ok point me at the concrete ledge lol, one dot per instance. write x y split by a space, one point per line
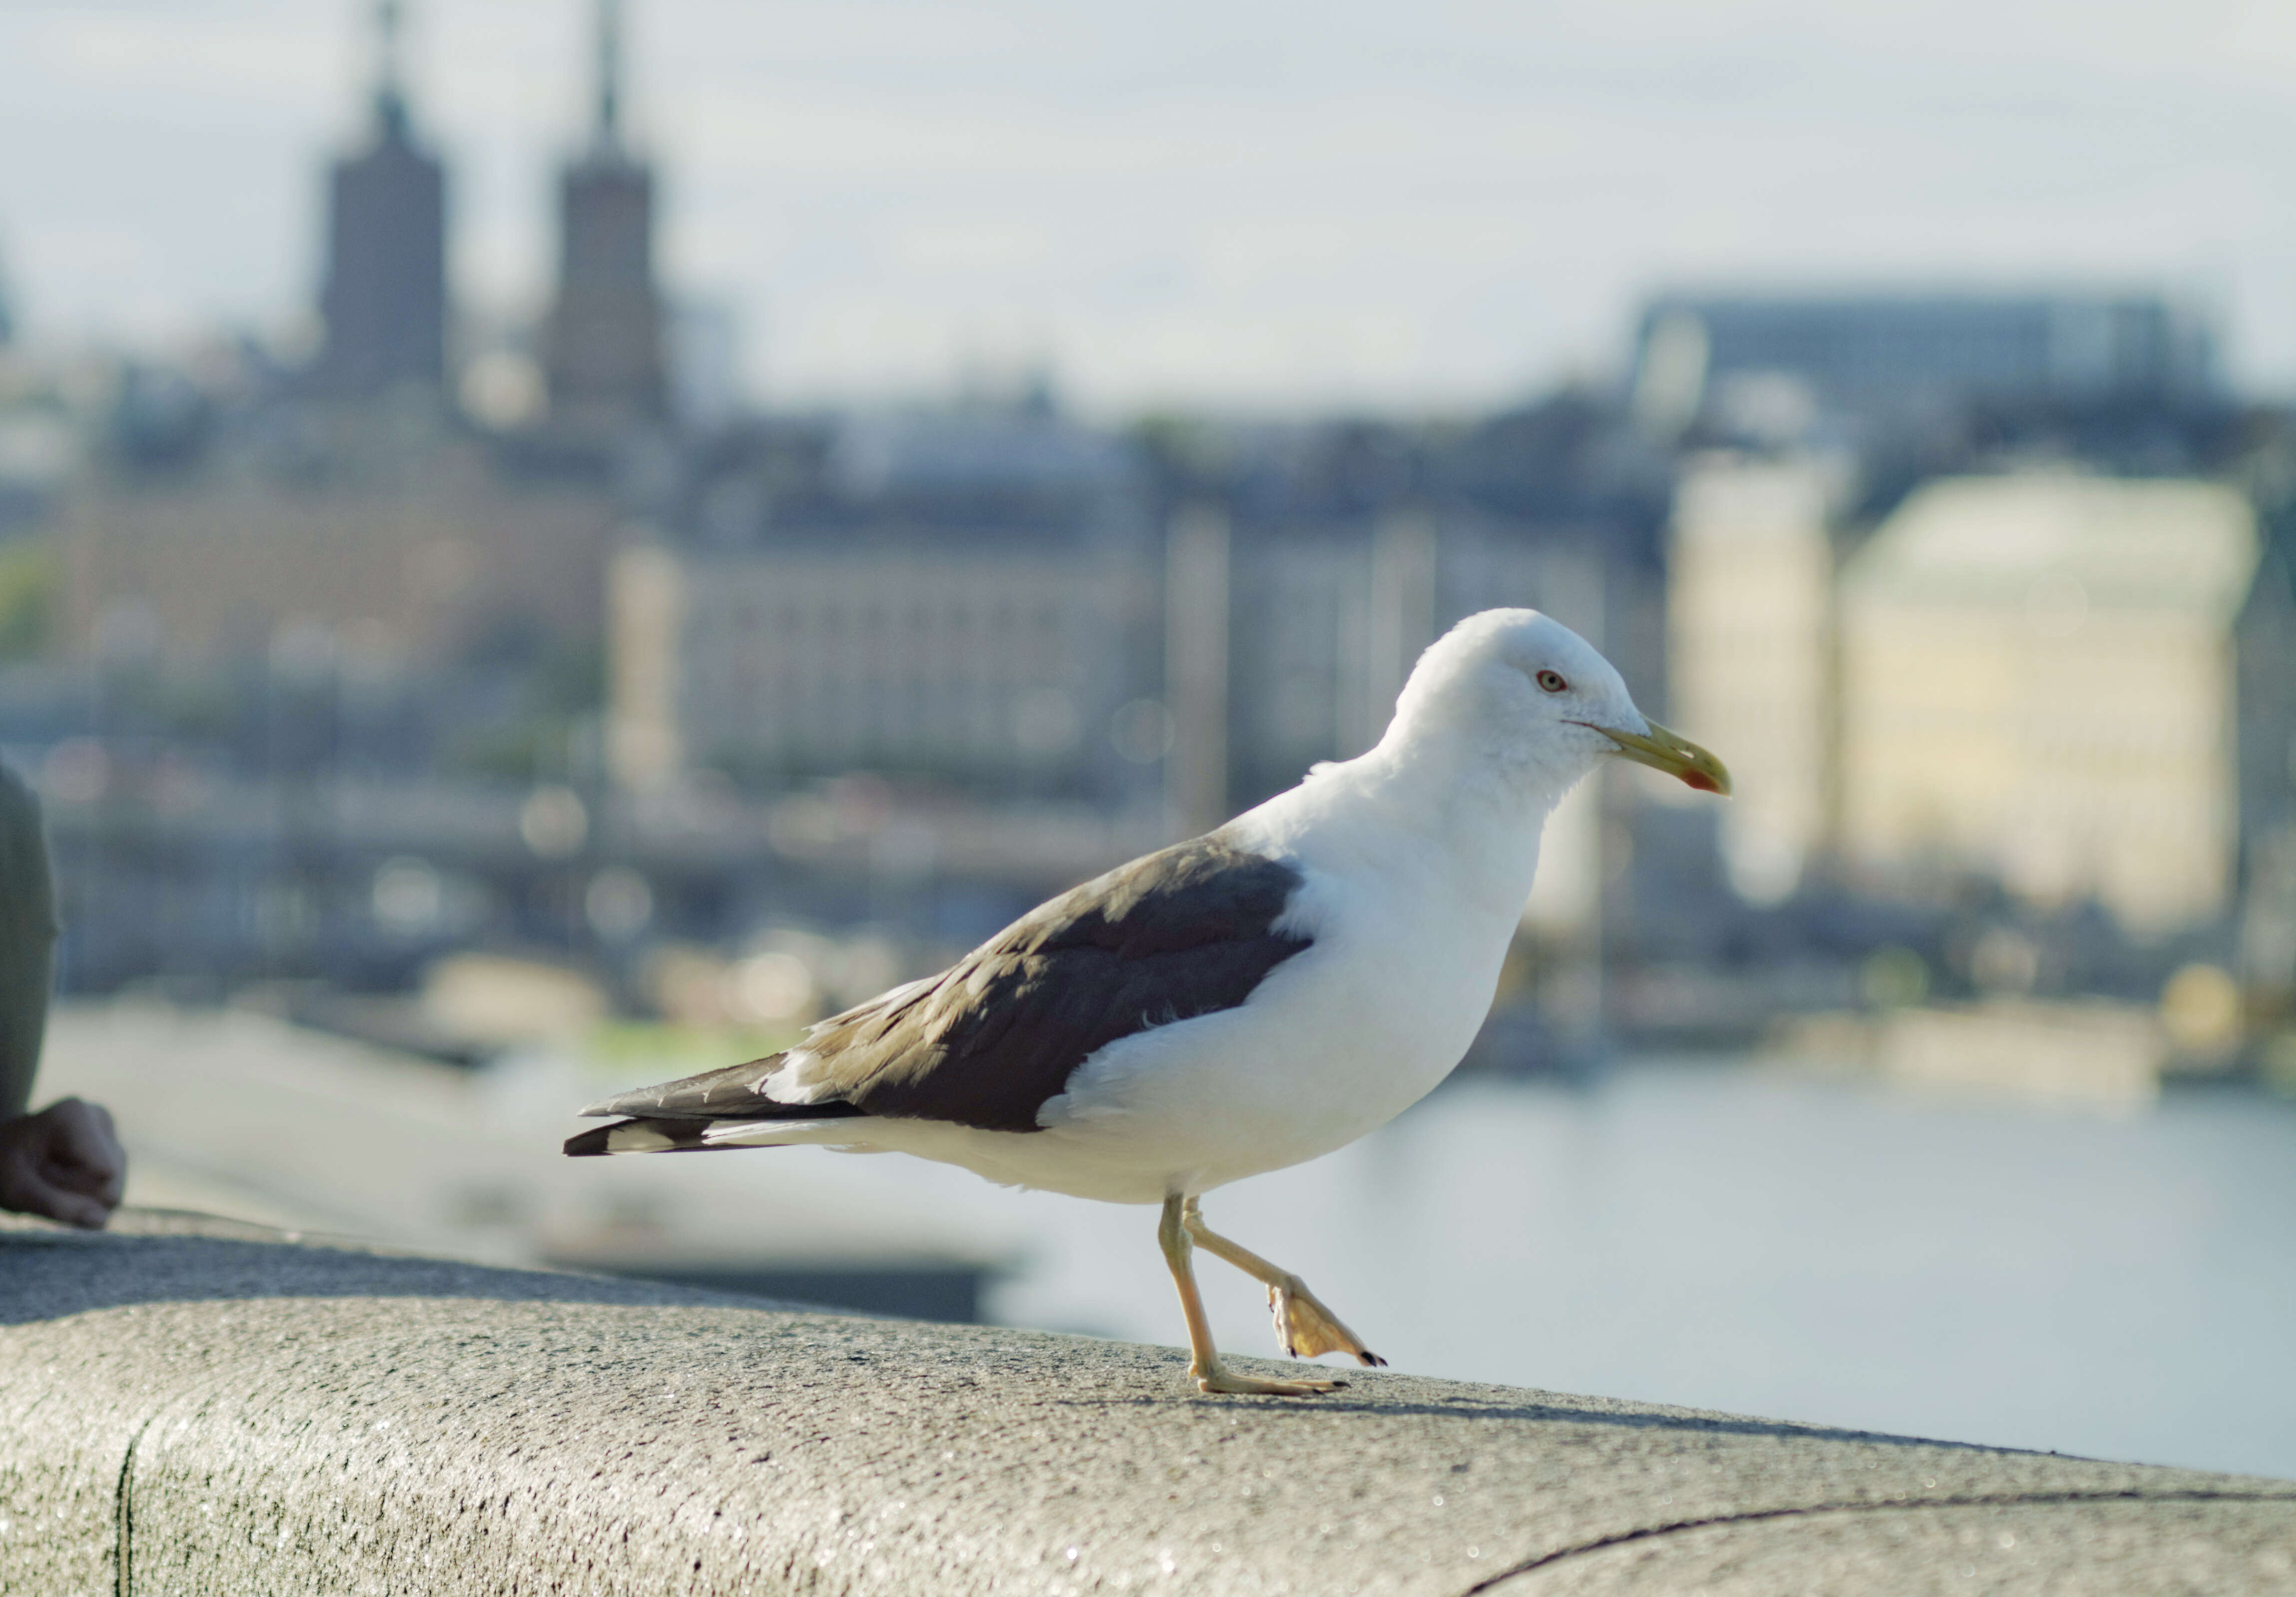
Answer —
199 1407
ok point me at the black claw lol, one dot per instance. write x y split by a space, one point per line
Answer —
1373 1359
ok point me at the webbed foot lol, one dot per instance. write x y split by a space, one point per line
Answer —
1305 1327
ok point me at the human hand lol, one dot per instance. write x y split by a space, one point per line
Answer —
65 1163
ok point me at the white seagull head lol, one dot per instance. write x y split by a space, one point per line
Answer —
1522 696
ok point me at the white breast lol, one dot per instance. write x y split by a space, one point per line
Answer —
1336 1041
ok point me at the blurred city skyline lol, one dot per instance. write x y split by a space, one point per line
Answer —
1239 207
456 691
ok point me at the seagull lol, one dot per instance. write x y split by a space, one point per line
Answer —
1230 1005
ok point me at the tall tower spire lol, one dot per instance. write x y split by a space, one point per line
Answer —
610 75
389 72
602 349
383 294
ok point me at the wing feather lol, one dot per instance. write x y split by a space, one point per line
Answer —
1179 933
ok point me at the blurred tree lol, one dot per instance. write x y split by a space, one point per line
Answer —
31 583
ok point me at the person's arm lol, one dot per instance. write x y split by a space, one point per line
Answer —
64 1162
27 942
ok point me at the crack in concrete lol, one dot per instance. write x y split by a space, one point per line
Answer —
2030 1499
123 1509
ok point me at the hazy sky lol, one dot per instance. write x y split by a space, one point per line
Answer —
1239 203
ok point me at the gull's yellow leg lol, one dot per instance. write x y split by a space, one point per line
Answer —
1204 1361
1303 1325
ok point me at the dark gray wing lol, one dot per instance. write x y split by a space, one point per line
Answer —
1179 933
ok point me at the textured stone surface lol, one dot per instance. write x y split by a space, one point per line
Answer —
228 1414
2158 1544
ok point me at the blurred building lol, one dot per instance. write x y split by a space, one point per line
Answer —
604 353
983 663
2266 950
419 546
383 301
1750 651
1770 364
956 599
39 445
2047 679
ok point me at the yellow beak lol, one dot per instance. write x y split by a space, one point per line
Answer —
1672 753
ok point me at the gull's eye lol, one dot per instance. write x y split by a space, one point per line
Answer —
1552 682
